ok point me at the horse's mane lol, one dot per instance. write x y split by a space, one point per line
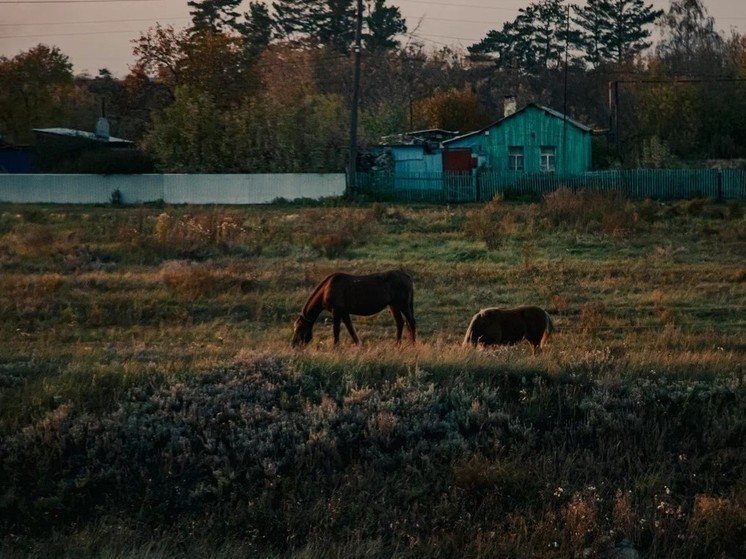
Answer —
315 292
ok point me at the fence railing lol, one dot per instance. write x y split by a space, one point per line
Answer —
452 187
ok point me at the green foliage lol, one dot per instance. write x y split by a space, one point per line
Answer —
256 30
615 30
36 90
187 136
303 133
213 16
533 41
384 24
332 23
229 444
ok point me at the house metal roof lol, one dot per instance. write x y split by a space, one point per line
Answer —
552 112
72 133
419 136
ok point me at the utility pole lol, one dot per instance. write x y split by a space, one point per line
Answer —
564 95
352 166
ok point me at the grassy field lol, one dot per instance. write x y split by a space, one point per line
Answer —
151 404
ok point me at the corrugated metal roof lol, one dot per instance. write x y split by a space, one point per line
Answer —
72 133
522 109
418 136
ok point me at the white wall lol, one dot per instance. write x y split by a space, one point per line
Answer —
172 189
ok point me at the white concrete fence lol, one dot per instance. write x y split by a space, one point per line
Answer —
171 189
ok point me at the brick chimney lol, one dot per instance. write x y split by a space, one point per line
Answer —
509 105
102 124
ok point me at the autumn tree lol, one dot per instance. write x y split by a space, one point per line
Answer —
187 136
212 62
453 109
289 126
37 90
689 44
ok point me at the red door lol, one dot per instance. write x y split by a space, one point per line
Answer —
457 159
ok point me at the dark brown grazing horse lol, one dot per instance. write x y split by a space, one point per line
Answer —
345 294
495 326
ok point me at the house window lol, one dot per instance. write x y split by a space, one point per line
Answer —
515 158
548 158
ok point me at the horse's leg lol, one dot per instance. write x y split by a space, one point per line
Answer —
399 322
411 323
350 328
336 318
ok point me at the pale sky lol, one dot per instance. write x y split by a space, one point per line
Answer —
97 34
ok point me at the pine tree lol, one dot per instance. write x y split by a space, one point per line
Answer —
383 23
296 19
615 29
535 40
256 29
335 24
214 16
332 23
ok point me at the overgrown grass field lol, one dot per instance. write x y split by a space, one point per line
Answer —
151 404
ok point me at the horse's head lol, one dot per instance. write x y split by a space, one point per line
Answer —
302 331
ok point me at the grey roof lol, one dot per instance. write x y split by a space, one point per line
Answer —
418 137
72 133
552 112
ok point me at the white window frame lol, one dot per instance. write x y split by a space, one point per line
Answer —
548 159
515 158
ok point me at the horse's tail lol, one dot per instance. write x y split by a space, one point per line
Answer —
548 329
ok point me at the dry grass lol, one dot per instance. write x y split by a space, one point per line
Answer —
101 309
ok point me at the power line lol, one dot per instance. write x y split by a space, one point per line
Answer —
69 1
451 5
88 22
66 34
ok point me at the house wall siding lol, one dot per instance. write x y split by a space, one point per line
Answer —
413 159
532 128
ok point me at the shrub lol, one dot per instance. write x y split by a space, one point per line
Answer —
116 199
587 210
718 523
191 280
490 223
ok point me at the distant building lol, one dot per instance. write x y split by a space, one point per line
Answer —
15 159
66 150
534 139
416 152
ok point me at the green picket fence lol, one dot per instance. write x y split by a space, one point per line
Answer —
454 187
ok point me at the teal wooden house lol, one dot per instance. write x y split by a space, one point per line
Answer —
534 139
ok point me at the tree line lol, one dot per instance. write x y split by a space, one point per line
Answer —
269 89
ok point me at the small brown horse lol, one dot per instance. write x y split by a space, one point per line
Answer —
495 326
345 294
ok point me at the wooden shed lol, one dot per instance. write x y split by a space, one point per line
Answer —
533 139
